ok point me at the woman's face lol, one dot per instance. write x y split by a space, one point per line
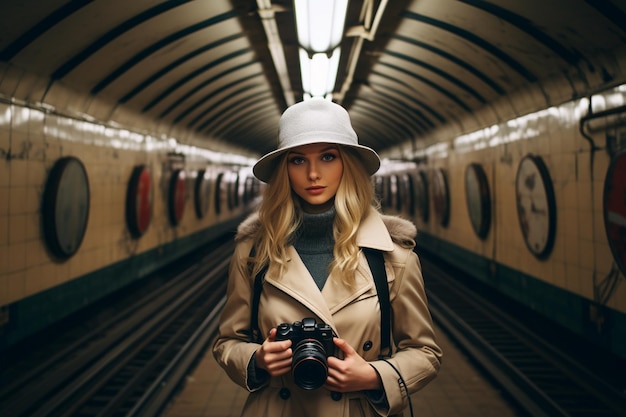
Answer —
314 174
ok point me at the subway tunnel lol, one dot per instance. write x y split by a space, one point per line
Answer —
128 130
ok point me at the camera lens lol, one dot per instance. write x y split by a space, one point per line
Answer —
309 364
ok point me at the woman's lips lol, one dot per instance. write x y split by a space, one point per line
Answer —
315 190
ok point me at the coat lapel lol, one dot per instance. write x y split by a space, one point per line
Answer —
338 294
298 283
374 234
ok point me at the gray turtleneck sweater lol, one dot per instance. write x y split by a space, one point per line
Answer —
314 242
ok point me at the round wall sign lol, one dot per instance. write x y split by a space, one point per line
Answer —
379 187
421 196
233 190
220 193
408 193
249 190
615 209
478 199
395 193
65 207
441 197
139 201
386 195
176 197
202 193
536 206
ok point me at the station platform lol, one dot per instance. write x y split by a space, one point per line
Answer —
460 390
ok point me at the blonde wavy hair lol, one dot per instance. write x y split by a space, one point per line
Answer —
280 215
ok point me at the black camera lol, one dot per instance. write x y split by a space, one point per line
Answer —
311 343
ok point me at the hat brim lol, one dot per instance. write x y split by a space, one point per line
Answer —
265 166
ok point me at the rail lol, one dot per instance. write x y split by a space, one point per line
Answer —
133 360
542 379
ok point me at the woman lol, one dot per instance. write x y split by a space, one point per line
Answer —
317 213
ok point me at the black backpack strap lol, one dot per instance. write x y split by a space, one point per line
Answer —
256 296
376 263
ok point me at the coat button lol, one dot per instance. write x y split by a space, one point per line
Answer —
284 393
335 396
367 345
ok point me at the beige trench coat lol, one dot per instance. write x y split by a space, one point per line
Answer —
354 315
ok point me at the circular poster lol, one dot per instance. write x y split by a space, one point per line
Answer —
65 207
139 201
615 209
176 196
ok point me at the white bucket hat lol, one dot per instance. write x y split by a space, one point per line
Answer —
314 121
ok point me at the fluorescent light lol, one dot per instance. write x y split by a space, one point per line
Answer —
320 25
319 72
333 67
305 70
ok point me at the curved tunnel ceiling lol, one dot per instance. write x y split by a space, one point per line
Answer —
204 66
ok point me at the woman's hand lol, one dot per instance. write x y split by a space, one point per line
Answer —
352 373
273 356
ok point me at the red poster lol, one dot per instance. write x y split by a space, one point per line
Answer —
615 209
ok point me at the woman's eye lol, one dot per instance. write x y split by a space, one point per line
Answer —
296 160
328 157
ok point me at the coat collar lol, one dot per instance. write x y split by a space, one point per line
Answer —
373 233
298 283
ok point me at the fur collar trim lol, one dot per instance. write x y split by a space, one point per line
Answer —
402 231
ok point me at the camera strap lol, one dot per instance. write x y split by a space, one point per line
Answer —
256 296
376 263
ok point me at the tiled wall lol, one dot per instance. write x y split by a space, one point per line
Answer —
32 140
581 257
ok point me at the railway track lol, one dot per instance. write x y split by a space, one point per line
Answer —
133 360
540 378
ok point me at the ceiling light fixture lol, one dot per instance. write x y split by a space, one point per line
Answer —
370 19
267 13
320 25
